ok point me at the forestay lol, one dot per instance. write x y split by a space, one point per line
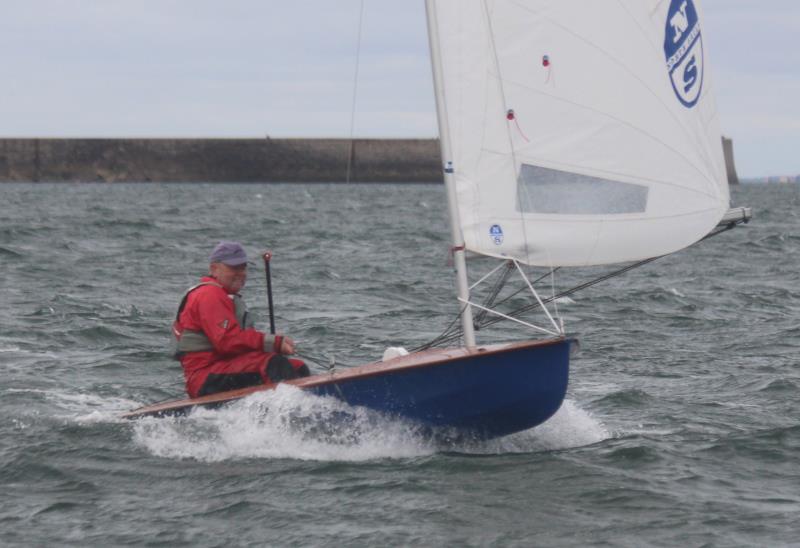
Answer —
581 132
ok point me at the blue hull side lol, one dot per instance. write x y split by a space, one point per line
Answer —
488 391
489 395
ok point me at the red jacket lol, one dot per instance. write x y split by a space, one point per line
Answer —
210 309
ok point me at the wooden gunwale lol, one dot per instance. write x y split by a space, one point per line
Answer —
427 358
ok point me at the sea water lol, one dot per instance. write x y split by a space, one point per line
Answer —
681 426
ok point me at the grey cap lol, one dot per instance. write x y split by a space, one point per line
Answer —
229 253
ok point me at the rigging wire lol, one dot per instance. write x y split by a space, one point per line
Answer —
355 93
495 291
450 334
524 287
555 301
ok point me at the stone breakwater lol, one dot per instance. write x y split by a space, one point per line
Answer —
231 160
220 160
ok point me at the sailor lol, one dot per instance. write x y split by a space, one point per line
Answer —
215 340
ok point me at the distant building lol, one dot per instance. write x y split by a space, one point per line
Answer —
783 179
730 164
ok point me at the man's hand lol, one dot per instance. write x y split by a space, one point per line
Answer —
287 345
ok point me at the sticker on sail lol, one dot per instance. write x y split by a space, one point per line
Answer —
683 47
496 234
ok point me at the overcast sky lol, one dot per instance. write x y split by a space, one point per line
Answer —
248 68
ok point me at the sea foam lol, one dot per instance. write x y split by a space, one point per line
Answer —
290 423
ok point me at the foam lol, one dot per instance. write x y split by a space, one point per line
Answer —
84 408
288 423
677 293
293 424
570 427
282 423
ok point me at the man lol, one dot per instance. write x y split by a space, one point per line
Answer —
216 343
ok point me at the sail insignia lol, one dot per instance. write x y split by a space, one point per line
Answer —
683 46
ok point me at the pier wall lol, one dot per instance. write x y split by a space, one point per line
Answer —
220 160
231 160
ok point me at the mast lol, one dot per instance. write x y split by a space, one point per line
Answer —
459 252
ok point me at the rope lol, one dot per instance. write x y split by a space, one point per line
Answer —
321 361
355 92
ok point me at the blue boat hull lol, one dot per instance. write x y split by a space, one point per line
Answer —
485 392
488 394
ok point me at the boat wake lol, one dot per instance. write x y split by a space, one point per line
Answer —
294 424
80 408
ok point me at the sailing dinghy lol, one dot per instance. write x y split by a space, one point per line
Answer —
572 133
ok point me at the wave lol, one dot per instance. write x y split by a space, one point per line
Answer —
780 385
84 408
98 334
632 397
118 224
6 252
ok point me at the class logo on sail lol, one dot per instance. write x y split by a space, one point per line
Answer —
496 234
683 47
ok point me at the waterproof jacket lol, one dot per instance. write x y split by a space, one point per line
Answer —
207 327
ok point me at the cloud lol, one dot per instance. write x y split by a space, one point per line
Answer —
206 68
247 67
756 65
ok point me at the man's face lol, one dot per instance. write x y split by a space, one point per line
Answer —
232 278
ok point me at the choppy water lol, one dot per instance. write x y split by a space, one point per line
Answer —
681 426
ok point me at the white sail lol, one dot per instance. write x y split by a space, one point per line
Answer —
581 132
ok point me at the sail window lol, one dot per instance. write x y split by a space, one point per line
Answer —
545 190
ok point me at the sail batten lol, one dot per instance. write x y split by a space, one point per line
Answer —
564 115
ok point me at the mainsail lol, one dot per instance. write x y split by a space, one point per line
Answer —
580 133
